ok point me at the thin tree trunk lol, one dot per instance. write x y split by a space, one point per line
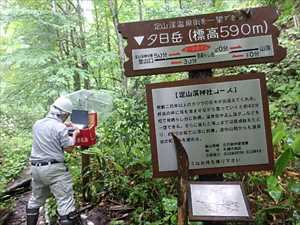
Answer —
107 34
63 51
140 10
60 44
83 62
97 22
113 5
180 4
77 83
76 77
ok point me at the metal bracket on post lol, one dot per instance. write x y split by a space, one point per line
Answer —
183 175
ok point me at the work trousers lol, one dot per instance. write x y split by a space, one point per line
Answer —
54 178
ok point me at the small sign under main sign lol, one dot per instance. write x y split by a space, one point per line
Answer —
223 124
218 201
201 42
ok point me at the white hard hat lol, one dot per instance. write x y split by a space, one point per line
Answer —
63 104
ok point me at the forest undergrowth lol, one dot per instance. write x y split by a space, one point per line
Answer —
121 166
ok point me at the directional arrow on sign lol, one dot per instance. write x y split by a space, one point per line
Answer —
139 39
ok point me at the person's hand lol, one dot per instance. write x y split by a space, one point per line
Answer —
69 124
76 132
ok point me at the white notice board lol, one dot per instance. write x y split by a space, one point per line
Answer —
223 123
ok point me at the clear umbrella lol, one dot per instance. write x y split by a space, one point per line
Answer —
100 101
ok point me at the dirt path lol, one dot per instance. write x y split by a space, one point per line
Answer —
96 216
18 216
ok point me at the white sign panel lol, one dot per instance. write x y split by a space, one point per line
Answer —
220 124
210 52
218 200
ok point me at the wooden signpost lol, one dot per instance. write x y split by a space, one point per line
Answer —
212 125
183 176
190 43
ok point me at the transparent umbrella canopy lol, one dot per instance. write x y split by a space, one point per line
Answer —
100 101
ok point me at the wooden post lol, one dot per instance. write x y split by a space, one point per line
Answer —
202 74
85 174
183 170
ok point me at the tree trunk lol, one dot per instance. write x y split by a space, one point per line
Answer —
77 81
108 40
107 34
97 21
180 4
53 8
113 5
83 62
97 75
140 10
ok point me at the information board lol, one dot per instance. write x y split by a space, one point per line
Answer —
218 201
222 122
201 42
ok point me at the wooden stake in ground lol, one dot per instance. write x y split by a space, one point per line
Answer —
86 177
183 170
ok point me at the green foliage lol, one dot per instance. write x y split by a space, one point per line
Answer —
296 144
125 161
121 166
294 187
39 61
128 124
278 134
274 188
284 96
283 161
14 152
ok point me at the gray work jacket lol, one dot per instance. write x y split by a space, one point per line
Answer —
50 137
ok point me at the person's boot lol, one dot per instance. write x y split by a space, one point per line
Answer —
72 218
32 216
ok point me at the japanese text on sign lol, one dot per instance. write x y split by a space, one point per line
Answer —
220 124
228 50
208 41
207 34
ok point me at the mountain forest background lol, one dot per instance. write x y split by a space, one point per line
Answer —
50 48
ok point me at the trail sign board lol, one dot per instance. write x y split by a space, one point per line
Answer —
222 122
203 41
226 202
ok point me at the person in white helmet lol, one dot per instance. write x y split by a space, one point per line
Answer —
49 173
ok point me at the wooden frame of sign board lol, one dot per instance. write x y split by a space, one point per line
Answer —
256 18
218 218
268 134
